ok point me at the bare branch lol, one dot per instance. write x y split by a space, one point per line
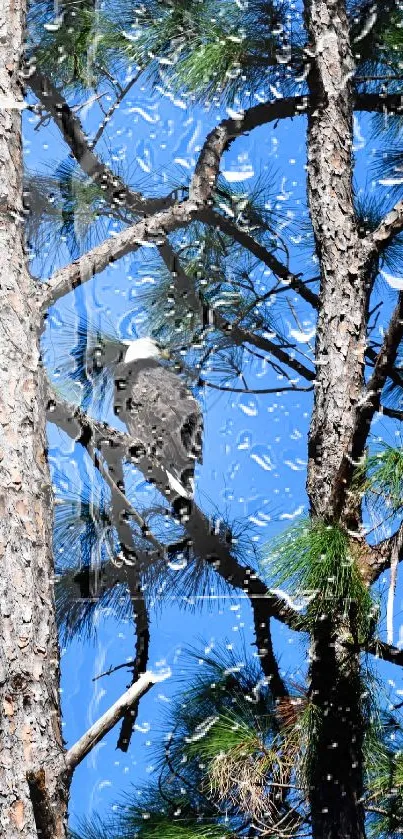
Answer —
109 114
393 413
394 374
388 103
380 557
142 626
221 137
126 665
150 230
265 650
104 724
264 390
140 612
386 652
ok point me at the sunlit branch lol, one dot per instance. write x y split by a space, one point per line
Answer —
390 226
151 230
221 137
104 724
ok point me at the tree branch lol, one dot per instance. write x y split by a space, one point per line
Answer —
139 667
140 612
221 137
153 229
385 651
71 129
228 227
387 354
390 226
212 547
390 103
265 651
104 724
380 556
112 109
384 363
393 413
262 391
208 315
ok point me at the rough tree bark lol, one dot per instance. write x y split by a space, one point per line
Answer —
32 791
342 413
336 782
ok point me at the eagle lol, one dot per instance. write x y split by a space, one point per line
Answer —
159 411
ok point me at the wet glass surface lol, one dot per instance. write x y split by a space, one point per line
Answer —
192 354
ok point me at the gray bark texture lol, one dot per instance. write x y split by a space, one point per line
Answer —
32 791
341 330
336 784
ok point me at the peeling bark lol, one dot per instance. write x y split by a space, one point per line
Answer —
33 796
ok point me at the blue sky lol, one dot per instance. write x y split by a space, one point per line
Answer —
254 456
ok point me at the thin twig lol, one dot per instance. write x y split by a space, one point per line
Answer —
226 389
112 109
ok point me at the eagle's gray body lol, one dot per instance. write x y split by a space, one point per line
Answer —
162 415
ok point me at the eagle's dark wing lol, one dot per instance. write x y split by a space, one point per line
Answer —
161 413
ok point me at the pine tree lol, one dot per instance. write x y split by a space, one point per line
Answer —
328 64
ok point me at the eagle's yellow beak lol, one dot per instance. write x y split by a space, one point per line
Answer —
165 354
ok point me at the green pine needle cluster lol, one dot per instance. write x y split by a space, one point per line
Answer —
319 560
77 47
212 48
380 477
158 827
385 791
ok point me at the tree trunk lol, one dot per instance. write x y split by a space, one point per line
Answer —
336 779
32 799
345 287
336 776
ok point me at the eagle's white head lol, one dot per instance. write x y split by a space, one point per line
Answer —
142 348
